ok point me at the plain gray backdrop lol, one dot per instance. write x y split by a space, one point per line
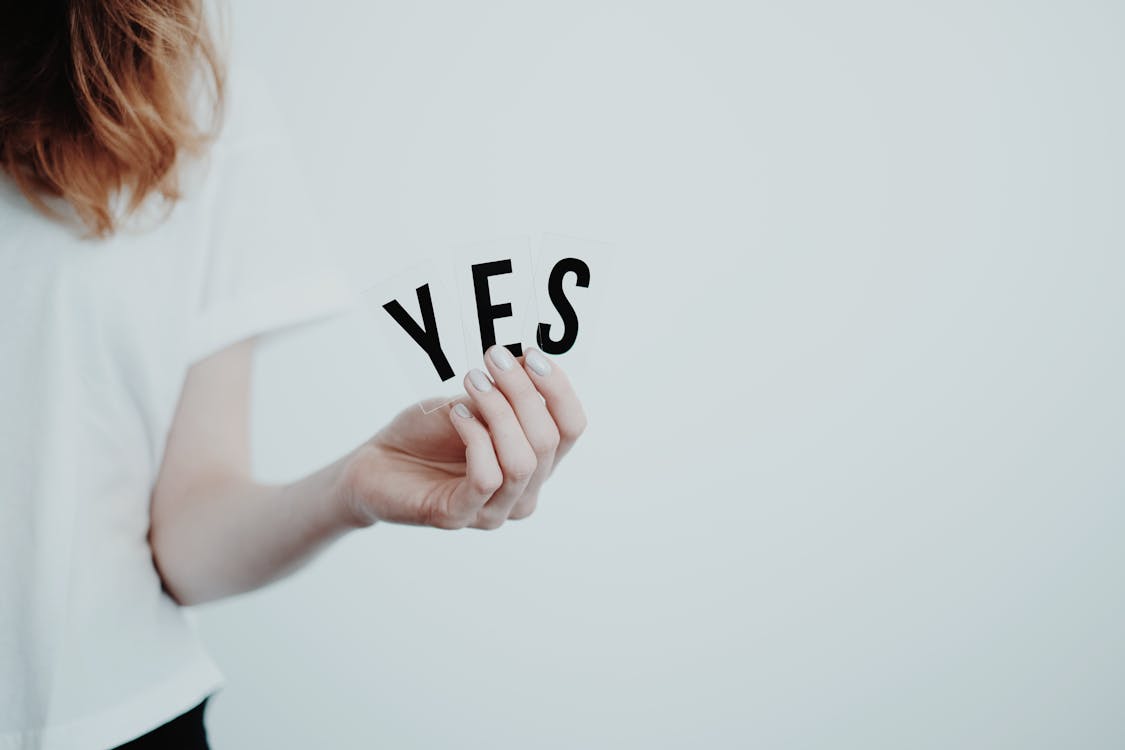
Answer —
854 476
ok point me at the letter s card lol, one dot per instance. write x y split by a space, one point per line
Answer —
569 288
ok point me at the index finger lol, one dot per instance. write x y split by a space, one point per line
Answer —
482 470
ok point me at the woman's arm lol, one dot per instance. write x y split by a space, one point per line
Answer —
216 532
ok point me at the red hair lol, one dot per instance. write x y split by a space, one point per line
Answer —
98 97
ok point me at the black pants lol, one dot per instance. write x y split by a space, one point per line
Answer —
185 732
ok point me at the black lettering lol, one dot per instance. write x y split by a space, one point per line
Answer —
562 304
426 335
488 313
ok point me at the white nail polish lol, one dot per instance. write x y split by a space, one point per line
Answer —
501 357
537 362
480 381
463 411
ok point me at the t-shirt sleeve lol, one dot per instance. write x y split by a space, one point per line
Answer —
265 265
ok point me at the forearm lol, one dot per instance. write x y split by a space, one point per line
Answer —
230 535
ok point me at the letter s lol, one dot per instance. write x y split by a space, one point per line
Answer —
562 304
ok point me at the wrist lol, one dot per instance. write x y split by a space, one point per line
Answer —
355 486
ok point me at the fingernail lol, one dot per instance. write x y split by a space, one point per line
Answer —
537 362
479 380
501 357
463 411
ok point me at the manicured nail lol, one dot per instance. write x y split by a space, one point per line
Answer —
463 411
501 357
537 362
480 381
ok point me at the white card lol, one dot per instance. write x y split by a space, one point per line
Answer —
417 314
494 286
569 289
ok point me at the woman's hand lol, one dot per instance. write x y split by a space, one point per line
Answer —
217 532
477 463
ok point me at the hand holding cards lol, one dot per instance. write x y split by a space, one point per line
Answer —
437 319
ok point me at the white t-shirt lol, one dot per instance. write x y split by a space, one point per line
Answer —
95 341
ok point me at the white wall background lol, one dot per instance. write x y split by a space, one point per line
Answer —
855 474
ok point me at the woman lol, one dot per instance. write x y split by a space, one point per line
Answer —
147 235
